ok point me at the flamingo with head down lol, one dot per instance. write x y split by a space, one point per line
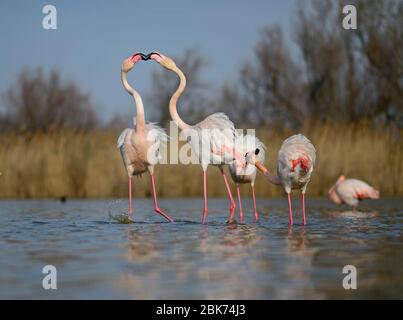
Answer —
295 163
140 147
246 174
212 139
351 191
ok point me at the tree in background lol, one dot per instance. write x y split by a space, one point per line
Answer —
353 74
335 75
43 102
270 88
380 39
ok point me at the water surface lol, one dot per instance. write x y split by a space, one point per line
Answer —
98 257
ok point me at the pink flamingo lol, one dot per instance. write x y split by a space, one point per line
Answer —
295 163
140 147
351 191
246 174
212 139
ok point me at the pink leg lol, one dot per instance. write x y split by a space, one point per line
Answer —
240 203
254 205
231 199
303 210
130 197
205 196
289 208
156 208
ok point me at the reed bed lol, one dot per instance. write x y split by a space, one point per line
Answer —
88 165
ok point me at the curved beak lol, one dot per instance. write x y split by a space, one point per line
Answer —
155 56
261 167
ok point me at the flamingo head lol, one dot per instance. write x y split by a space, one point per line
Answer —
165 61
251 157
334 197
341 179
129 63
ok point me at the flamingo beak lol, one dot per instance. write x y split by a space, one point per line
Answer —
261 167
137 57
251 158
155 56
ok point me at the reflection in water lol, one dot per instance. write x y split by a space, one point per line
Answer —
98 257
354 214
300 266
140 246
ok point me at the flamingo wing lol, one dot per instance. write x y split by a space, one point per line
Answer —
217 133
361 190
122 137
294 150
157 137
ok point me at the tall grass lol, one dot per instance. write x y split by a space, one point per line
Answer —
79 164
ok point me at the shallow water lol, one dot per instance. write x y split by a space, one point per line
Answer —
98 257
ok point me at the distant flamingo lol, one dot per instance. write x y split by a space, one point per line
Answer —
246 174
295 163
351 191
140 147
213 138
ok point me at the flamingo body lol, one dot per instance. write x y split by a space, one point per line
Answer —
139 154
295 162
140 146
212 140
215 138
351 191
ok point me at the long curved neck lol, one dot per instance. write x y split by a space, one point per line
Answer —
174 99
271 177
140 120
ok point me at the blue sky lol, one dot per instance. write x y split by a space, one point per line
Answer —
93 37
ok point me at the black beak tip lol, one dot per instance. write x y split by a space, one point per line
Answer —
144 57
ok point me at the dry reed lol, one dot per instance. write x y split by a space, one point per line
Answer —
87 164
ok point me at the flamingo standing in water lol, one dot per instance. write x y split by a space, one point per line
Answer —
246 174
140 147
212 139
295 163
351 191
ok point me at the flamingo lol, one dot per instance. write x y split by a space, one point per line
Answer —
351 191
295 163
246 174
212 139
140 147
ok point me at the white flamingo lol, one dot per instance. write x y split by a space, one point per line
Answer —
140 147
246 174
351 191
212 139
295 163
